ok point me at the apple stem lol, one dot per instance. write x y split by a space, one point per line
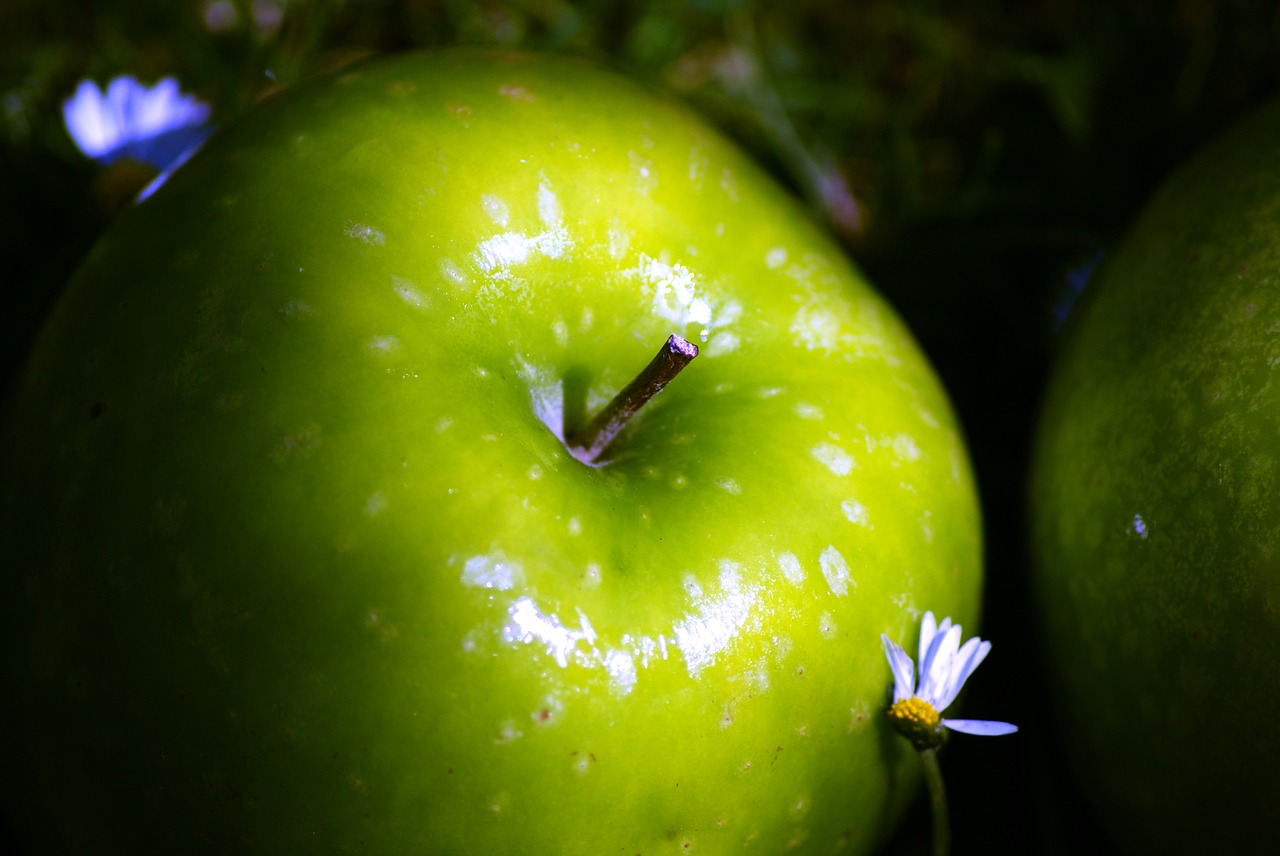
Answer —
588 443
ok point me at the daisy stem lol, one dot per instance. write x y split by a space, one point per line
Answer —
937 801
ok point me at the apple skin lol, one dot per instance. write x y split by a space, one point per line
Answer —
295 559
1154 512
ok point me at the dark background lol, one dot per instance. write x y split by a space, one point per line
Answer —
975 158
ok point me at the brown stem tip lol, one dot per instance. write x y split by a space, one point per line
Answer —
590 442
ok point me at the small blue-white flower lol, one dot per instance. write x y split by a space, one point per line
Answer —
945 665
159 125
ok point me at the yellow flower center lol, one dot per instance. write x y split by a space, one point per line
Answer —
914 714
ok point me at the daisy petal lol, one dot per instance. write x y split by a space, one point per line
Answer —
131 120
980 727
969 657
903 669
928 630
935 676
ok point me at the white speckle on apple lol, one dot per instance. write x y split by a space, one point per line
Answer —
729 184
296 309
903 446
528 625
581 763
698 162
442 424
302 442
926 529
492 571
674 289
409 292
366 234
770 391
906 605
517 92
588 318
575 526
383 344
826 626
591 576
775 258
692 587
836 570
729 486
560 331
645 176
621 669
856 512
619 239
808 411
496 209
679 481
450 270
507 732
799 808
719 230
721 343
548 205
500 251
792 570
376 503
535 472
833 457
708 631
816 328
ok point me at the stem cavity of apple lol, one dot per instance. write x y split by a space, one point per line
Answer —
590 441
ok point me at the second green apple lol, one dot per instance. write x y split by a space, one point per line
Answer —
295 554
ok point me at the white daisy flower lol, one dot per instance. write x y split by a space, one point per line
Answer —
157 125
945 665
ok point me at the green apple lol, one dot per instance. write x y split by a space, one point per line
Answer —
298 560
1157 517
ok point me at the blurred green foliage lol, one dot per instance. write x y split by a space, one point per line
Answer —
970 154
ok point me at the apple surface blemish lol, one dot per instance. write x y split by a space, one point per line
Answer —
496 209
452 272
296 309
792 570
375 504
833 457
856 512
491 571
409 293
729 486
383 344
836 571
808 411
364 234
